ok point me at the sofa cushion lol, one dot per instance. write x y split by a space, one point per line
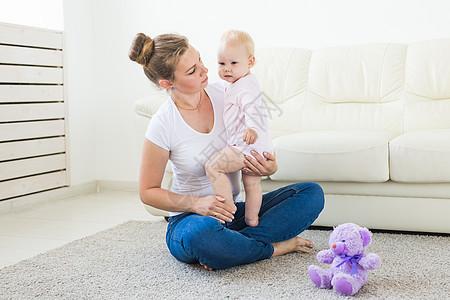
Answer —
421 156
360 156
427 88
356 88
282 74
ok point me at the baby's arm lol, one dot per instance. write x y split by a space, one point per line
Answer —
254 115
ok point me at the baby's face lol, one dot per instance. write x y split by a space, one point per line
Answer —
234 62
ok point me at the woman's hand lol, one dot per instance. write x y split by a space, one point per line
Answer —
215 207
258 166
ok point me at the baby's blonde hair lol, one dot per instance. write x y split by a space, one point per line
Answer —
241 37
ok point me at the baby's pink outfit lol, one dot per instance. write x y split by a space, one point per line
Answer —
245 109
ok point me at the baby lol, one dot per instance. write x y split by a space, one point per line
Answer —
246 123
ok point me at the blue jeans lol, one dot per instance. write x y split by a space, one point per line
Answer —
284 213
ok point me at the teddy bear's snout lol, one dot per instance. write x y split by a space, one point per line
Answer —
339 248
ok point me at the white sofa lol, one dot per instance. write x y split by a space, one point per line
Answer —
369 123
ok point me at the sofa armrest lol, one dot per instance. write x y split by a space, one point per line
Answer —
145 108
149 105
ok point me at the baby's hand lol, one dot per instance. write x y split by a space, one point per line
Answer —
250 136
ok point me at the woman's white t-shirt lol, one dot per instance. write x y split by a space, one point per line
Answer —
190 149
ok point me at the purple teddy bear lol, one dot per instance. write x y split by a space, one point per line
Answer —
349 264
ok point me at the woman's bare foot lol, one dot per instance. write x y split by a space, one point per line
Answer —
294 244
206 267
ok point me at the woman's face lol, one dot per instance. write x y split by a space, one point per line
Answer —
190 75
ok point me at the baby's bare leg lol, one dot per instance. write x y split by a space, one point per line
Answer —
253 198
225 161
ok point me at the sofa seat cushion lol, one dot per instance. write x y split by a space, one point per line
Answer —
421 156
359 156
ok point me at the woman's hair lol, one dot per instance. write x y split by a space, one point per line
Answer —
159 57
241 37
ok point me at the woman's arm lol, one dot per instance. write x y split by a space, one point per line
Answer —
154 160
153 165
258 166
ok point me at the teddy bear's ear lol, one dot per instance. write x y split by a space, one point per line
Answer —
366 236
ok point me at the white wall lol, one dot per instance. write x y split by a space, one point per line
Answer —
309 24
37 13
80 65
103 83
79 73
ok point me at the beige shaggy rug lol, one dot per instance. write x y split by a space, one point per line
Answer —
131 261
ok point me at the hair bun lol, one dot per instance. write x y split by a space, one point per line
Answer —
141 49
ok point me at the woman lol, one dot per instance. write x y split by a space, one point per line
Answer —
186 130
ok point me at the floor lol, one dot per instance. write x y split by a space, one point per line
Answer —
39 230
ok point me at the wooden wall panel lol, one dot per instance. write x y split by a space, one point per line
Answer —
31 93
30 36
25 74
30 56
31 130
28 112
32 148
31 166
33 111
28 185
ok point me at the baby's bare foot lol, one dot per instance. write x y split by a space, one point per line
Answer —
296 244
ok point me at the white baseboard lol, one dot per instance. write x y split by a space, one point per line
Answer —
26 203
